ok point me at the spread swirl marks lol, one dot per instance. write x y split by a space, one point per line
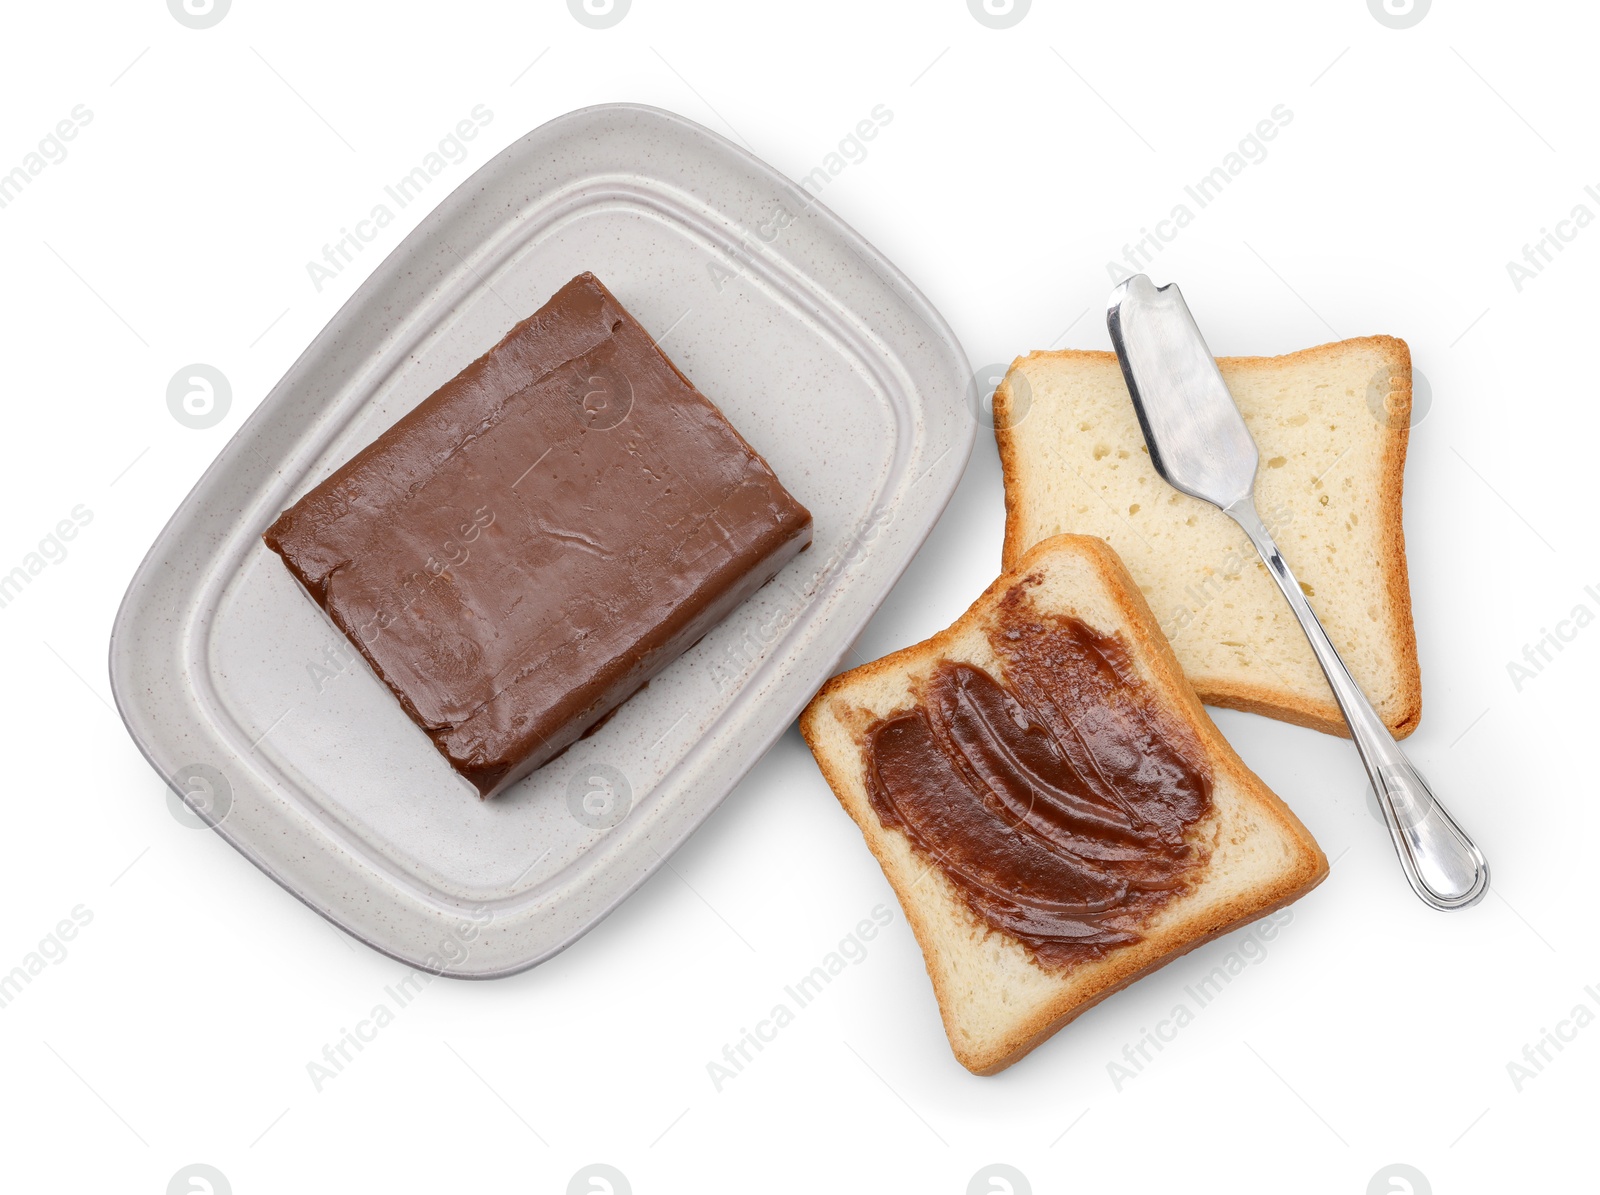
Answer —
1058 800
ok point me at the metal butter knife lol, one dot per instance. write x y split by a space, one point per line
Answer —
1198 442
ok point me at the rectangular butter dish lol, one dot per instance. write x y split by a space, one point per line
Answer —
248 701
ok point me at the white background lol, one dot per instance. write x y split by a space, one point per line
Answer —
218 162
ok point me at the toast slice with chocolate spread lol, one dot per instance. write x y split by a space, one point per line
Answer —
1052 805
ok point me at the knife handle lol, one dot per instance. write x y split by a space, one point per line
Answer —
1444 867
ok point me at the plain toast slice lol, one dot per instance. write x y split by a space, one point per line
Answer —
999 998
1332 425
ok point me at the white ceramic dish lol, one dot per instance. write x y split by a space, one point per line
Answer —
245 698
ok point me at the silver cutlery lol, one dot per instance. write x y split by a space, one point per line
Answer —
1199 443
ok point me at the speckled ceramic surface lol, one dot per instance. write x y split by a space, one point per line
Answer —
826 359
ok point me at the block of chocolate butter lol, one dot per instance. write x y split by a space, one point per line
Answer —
537 539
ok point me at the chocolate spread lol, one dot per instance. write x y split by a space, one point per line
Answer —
1056 798
542 535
